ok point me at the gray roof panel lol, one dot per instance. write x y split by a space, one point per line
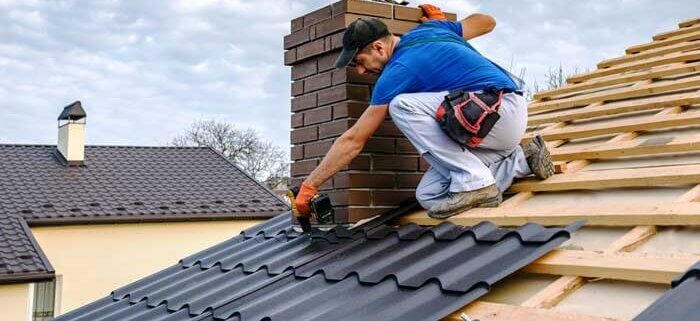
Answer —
680 303
375 272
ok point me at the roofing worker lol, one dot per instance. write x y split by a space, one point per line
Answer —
463 113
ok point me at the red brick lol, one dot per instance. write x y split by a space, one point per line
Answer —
414 14
356 214
296 152
392 197
306 134
310 49
303 167
318 82
348 109
350 75
297 120
318 115
327 61
290 56
317 149
304 69
335 128
329 26
388 128
317 16
296 38
361 163
300 103
350 197
364 8
404 146
336 41
312 32
297 24
423 165
395 163
379 145
408 180
363 180
343 92
298 88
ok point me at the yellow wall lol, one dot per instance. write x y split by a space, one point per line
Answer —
14 300
93 260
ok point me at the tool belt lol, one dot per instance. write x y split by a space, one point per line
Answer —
467 117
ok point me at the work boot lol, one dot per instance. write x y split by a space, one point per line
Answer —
455 203
538 158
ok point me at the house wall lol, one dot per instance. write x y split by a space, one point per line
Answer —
92 260
14 300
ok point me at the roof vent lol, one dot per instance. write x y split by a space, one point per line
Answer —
71 134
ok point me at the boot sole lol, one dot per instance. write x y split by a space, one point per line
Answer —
491 202
541 163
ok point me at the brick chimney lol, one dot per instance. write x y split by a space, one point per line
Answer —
327 101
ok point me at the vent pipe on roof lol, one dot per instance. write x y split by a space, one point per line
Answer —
71 134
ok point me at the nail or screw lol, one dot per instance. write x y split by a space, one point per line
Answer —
465 317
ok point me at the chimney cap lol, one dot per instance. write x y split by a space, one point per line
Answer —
73 111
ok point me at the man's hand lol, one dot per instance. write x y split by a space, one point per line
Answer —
303 199
431 12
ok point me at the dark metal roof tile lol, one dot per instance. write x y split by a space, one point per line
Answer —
376 272
680 303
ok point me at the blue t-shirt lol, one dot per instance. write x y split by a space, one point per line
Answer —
428 66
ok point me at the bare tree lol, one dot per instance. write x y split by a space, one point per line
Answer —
259 157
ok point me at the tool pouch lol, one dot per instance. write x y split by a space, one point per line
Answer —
467 117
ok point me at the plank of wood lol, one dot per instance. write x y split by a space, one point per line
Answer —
625 125
660 214
649 146
486 311
599 83
677 32
632 239
689 23
617 94
661 43
555 292
684 99
636 65
657 52
613 178
628 267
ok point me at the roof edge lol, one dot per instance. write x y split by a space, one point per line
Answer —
37 246
26 277
167 218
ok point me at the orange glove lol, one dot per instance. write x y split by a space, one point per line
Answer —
431 12
303 199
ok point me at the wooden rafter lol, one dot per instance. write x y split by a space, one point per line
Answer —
485 311
628 267
618 94
617 108
600 83
626 214
661 43
636 65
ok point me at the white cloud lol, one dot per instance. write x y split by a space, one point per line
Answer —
146 69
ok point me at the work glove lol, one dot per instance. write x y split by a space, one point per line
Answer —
431 12
303 199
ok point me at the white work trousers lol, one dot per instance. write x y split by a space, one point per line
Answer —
453 168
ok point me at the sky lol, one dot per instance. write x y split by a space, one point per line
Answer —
145 70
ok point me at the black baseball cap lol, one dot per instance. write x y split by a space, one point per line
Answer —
359 34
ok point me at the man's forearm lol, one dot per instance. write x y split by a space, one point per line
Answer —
343 151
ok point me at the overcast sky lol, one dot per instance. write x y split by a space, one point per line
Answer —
145 70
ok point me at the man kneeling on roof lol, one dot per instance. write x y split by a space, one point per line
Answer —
463 113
